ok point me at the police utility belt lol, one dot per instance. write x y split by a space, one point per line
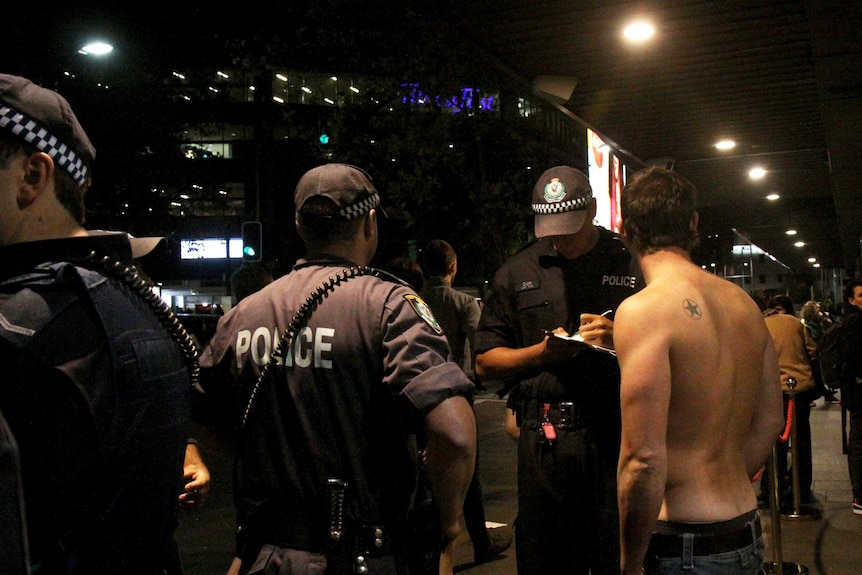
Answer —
547 418
563 415
347 544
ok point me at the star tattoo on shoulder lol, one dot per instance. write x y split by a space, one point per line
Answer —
692 309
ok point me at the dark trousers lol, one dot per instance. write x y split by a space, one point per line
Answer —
474 512
854 451
803 464
568 520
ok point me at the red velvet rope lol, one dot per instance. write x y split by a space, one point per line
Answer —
786 435
783 437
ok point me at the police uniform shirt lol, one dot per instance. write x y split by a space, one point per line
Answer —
537 290
370 353
97 393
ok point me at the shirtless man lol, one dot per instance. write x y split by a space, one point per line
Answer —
701 404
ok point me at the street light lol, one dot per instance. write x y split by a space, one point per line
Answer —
97 48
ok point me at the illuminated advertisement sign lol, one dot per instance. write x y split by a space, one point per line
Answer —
599 174
466 99
210 248
607 178
616 190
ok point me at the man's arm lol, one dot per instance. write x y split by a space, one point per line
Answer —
509 363
450 458
196 478
643 353
767 421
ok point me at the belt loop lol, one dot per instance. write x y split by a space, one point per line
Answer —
753 525
688 551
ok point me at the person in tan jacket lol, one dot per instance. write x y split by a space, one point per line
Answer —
795 349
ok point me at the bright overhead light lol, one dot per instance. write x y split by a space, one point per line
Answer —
790 232
725 145
816 266
639 31
756 173
96 49
799 244
772 197
812 260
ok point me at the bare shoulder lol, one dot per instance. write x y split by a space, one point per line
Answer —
641 317
639 306
733 297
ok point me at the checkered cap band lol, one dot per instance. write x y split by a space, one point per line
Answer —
36 135
560 207
363 206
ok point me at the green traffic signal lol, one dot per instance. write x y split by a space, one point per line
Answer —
252 241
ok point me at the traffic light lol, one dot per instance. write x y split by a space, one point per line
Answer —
252 241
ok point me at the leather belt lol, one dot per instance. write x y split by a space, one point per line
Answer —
663 545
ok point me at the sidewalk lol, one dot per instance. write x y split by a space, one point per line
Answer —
829 545
832 543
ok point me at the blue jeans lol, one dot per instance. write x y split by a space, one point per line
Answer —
670 559
745 561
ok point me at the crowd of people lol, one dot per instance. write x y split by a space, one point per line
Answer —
644 393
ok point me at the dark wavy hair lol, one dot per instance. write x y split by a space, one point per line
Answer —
656 208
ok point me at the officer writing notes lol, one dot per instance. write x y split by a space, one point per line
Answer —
327 451
564 391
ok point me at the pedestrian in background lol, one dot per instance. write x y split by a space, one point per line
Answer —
458 314
795 351
564 391
408 270
841 363
249 278
816 323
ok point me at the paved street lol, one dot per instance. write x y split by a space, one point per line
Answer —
829 545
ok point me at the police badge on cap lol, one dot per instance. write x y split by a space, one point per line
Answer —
560 201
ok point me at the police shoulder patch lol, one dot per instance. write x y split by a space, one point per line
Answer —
422 310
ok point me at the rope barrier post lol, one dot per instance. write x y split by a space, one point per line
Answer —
777 566
799 512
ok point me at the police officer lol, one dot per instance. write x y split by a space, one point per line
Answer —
327 448
564 392
95 390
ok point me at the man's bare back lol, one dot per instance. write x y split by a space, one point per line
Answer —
695 355
700 395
